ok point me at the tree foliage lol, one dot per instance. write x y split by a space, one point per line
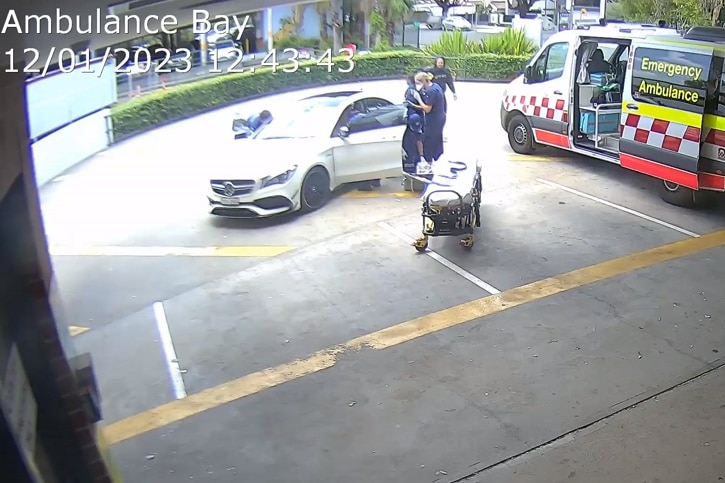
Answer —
447 4
521 6
679 13
393 12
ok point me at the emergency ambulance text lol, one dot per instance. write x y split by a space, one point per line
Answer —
656 89
670 69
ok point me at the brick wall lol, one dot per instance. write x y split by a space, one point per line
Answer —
36 270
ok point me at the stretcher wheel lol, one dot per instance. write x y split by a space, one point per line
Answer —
421 244
467 242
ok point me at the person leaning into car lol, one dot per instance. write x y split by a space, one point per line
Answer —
256 121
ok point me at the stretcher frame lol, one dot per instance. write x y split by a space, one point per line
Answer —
460 219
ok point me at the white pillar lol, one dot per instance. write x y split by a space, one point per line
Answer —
270 33
602 8
204 48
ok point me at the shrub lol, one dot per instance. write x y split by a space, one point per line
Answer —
509 42
454 44
293 42
190 99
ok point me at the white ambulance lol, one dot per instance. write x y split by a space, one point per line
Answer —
643 97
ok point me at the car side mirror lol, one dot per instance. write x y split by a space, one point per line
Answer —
527 73
344 132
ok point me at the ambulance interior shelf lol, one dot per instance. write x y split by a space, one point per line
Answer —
600 111
600 123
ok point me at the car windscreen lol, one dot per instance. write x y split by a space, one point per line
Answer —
300 124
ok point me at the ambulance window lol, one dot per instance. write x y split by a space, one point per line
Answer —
715 100
550 64
624 56
670 78
608 50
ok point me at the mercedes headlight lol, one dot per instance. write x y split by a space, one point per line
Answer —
280 178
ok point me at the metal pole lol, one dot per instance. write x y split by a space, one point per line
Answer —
418 37
270 33
204 48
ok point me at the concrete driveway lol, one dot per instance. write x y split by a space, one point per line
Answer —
324 348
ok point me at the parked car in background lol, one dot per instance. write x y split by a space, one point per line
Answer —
454 22
224 50
434 22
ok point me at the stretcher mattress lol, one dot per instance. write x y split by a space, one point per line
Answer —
452 182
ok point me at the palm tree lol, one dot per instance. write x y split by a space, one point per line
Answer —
366 7
447 4
299 17
322 9
336 21
394 12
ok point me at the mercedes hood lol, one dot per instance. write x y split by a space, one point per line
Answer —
259 158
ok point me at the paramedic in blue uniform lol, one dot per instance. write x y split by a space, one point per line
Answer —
415 122
444 78
435 116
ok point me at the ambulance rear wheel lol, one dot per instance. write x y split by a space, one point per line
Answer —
521 137
679 195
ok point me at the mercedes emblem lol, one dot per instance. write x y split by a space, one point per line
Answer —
229 189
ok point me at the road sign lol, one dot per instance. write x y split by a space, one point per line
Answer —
417 24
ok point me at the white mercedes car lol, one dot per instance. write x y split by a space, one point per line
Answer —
318 144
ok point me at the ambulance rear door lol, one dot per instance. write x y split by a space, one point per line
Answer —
663 103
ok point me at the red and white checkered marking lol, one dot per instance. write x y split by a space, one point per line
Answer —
713 146
658 133
546 107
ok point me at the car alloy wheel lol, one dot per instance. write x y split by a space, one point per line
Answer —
315 189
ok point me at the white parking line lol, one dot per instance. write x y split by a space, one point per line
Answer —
167 344
620 208
442 260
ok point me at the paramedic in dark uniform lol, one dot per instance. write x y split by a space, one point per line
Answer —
444 78
435 116
413 136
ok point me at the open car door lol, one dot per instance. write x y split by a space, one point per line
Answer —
370 146
663 105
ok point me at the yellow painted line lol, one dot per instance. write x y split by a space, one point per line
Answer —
105 450
381 194
211 398
116 251
76 330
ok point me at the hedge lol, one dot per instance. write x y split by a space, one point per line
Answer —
187 100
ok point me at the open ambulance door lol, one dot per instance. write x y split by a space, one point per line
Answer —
663 102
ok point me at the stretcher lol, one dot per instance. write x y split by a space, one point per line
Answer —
451 202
